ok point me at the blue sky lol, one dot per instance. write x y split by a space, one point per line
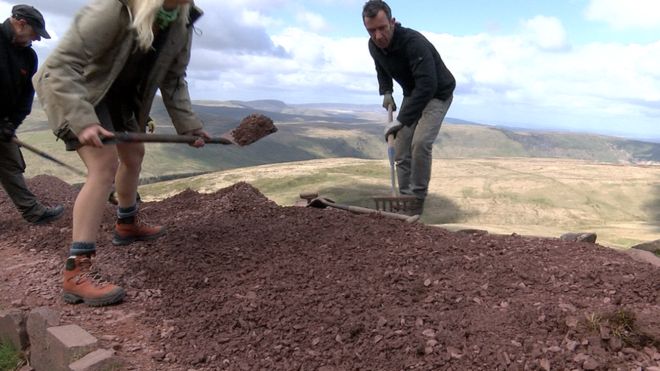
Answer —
578 65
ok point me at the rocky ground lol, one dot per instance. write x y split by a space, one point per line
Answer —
240 283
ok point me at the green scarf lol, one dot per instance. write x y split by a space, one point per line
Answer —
165 17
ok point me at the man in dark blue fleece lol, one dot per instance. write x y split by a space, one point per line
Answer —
18 62
405 55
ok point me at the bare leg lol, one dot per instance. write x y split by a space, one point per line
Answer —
130 227
88 209
128 174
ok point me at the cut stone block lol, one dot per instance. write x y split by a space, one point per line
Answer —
653 246
38 320
67 344
98 360
579 237
12 328
643 256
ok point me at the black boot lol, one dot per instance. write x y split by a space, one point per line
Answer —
51 213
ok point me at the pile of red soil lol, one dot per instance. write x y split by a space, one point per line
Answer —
240 283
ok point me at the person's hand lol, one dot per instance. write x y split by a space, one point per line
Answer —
388 100
201 141
392 128
7 131
93 134
151 125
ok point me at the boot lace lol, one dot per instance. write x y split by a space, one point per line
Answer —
141 221
89 271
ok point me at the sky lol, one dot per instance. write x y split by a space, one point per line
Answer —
577 65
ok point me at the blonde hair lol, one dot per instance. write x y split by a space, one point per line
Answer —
144 16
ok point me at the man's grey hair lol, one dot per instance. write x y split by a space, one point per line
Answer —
372 7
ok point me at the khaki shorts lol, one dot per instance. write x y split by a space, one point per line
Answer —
120 120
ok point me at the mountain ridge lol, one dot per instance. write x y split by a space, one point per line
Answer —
308 132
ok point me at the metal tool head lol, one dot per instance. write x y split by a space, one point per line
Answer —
309 196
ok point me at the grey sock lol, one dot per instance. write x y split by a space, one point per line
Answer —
127 212
82 248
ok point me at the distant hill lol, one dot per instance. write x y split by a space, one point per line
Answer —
309 132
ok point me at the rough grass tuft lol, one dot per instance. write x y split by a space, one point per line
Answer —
10 358
622 325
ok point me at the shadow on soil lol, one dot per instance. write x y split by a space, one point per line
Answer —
437 210
653 208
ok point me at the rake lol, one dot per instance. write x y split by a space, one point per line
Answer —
394 203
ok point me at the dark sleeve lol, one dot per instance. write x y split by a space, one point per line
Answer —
5 124
385 83
24 102
424 72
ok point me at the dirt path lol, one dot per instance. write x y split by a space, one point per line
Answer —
240 283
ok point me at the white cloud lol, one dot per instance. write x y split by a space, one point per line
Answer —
312 21
625 14
255 18
507 79
546 32
320 69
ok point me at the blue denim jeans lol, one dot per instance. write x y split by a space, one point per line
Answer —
414 148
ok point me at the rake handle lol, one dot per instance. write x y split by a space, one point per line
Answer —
390 152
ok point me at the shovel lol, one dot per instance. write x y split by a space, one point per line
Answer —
251 129
321 203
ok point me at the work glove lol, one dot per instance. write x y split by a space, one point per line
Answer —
392 128
7 131
389 100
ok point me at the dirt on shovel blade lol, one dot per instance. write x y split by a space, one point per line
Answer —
253 128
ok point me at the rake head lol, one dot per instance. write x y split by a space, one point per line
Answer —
395 204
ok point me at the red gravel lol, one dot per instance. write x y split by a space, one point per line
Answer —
240 283
252 128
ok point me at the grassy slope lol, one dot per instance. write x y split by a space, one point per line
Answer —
516 195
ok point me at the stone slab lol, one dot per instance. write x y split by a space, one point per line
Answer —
12 328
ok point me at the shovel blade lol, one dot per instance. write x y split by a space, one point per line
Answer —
252 128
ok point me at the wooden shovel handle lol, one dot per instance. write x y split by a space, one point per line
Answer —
390 113
161 138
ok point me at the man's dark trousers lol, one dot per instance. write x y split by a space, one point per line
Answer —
12 167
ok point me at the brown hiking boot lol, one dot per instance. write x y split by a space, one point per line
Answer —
81 284
133 229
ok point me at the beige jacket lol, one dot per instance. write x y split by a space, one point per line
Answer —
78 73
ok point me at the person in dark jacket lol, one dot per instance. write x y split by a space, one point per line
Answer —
18 62
405 55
